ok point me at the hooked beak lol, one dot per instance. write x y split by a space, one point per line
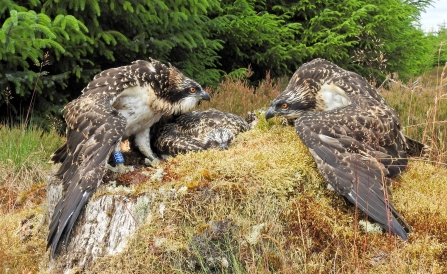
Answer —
205 96
223 147
270 113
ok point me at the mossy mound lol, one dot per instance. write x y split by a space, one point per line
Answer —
277 216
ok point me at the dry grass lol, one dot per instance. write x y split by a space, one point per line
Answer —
22 240
24 159
238 96
422 105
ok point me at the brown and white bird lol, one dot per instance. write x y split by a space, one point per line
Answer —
119 103
353 135
198 130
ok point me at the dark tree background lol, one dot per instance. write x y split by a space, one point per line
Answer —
206 39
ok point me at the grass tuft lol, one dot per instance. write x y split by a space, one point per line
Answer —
24 156
422 106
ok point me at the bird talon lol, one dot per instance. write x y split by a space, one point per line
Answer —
152 161
120 168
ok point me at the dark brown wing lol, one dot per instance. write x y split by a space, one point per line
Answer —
417 149
357 149
94 128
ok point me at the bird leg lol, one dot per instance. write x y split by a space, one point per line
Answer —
120 168
142 141
152 160
119 161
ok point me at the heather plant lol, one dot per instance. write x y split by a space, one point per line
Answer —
235 94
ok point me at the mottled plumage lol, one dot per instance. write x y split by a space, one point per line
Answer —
198 130
118 103
353 135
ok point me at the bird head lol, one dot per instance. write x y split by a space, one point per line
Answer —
219 138
299 97
308 90
184 90
176 89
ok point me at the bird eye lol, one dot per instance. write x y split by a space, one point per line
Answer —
192 90
231 140
284 106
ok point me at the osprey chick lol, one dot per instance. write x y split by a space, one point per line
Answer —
118 103
198 130
353 135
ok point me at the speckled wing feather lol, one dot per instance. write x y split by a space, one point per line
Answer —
115 80
102 90
187 131
357 149
94 128
353 135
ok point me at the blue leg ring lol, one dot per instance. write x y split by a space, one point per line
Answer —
118 157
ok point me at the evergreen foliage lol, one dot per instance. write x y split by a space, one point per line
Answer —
437 42
402 44
25 36
206 39
361 35
255 37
